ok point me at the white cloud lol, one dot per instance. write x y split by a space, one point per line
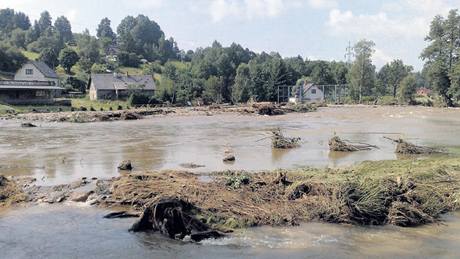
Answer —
380 58
249 9
323 4
375 25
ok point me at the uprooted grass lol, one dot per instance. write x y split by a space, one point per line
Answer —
403 193
10 192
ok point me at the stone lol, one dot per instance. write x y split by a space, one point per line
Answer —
229 158
125 165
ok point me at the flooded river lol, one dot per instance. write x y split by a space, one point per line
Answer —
81 232
60 152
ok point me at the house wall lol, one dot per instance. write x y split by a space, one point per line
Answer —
314 94
26 96
35 76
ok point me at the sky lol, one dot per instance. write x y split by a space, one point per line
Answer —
314 29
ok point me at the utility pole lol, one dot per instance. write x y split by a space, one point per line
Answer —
349 53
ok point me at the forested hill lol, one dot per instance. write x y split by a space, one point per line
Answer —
217 73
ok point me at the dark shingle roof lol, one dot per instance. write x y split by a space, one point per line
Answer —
44 69
122 82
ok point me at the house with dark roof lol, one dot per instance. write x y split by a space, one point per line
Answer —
119 86
36 71
34 83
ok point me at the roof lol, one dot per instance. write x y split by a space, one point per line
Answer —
122 82
44 69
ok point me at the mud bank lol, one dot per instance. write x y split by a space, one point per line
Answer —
136 114
405 193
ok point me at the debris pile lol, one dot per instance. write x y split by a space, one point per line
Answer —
174 218
266 108
279 141
407 148
339 145
10 192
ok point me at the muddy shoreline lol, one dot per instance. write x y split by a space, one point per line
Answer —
269 109
405 193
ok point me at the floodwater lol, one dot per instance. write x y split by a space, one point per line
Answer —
81 232
59 153
62 152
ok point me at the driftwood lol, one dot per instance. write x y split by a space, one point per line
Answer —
406 148
174 218
339 145
282 142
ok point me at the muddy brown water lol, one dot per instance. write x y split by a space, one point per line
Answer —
61 152
81 232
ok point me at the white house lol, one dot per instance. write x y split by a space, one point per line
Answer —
307 92
36 71
34 83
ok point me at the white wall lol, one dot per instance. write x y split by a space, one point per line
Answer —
36 75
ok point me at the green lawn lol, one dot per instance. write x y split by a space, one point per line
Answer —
134 71
30 55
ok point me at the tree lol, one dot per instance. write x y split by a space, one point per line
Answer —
391 75
44 22
18 38
63 29
68 58
10 58
322 74
104 30
454 89
139 35
407 89
362 73
50 57
212 90
243 87
88 49
442 53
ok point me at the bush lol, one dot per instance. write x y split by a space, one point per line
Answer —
129 59
387 100
137 99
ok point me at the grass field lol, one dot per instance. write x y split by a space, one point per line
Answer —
30 55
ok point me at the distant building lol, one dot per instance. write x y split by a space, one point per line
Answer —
307 92
34 83
423 91
117 86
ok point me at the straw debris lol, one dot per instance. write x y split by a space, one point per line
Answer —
339 145
279 141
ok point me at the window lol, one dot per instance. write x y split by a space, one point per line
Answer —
29 71
40 93
313 91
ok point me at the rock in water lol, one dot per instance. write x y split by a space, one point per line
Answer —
28 125
229 158
126 166
120 215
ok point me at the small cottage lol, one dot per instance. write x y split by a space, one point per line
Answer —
34 83
117 86
307 92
